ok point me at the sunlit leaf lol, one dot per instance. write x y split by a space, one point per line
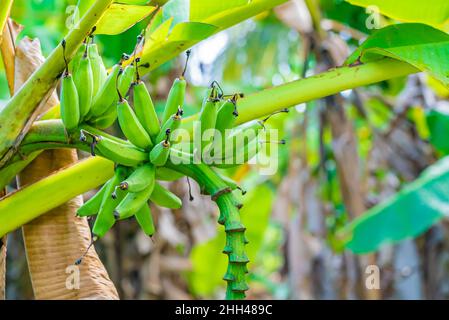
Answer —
438 124
120 17
420 45
180 39
202 9
162 52
188 31
408 214
160 34
435 13
136 2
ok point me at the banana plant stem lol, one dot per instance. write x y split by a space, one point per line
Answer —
268 101
236 241
47 194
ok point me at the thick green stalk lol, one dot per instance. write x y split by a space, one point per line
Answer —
20 110
265 102
234 248
19 208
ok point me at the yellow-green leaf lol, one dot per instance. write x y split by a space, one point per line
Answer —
435 13
120 17
202 9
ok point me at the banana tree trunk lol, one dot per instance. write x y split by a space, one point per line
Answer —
57 239
54 241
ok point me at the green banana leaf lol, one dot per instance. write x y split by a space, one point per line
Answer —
438 124
120 17
420 45
226 15
435 12
407 214
202 9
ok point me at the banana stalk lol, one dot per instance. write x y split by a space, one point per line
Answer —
221 193
33 201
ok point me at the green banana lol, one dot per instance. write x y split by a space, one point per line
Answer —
75 62
133 202
226 116
107 94
131 126
171 124
105 120
165 198
126 78
70 113
92 206
145 220
124 154
140 179
159 154
175 99
180 157
208 113
99 72
84 84
105 219
166 174
145 111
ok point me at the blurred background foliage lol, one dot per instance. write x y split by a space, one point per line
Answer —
399 127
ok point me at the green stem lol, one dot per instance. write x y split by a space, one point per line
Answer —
20 108
212 184
19 208
265 102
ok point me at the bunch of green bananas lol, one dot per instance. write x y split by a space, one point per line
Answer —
144 157
151 152
88 93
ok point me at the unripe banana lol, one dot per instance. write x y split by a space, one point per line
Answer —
92 206
166 174
140 179
105 120
164 198
235 142
99 72
145 220
171 124
105 219
70 112
208 114
131 126
226 116
107 94
133 202
125 79
180 157
175 99
124 154
84 84
75 62
159 154
145 111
